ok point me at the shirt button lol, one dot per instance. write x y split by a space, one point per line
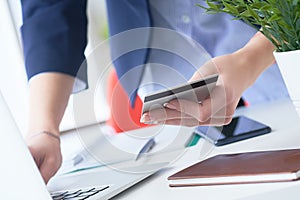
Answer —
186 19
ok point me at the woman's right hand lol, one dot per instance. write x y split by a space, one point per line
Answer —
237 71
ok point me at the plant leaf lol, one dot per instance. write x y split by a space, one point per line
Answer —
279 19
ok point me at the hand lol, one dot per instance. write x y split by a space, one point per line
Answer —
47 103
234 77
237 71
46 152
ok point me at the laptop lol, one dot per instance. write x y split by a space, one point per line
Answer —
20 178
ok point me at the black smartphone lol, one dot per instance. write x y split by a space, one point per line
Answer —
240 128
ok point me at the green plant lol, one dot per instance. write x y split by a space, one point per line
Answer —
278 20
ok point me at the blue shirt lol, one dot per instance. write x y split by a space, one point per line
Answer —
208 35
54 39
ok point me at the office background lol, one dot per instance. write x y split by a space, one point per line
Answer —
13 81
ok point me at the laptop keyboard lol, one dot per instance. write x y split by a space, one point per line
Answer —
79 194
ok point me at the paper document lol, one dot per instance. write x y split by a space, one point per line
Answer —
109 149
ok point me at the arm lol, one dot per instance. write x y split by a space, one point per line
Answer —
48 100
54 39
237 71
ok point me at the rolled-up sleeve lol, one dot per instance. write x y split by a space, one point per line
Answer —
54 35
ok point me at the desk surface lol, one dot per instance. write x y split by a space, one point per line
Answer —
285 123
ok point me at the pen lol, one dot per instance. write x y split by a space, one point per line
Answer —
79 158
146 148
193 140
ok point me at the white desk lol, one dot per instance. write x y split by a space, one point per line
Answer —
286 134
285 123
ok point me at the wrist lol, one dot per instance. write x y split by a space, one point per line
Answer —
256 56
47 133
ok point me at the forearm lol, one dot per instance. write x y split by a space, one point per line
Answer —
49 95
256 55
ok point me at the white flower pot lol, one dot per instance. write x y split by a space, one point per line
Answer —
289 65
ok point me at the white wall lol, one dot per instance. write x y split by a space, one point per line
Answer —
13 81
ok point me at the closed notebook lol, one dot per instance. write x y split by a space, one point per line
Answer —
250 167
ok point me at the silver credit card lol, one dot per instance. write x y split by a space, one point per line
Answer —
195 91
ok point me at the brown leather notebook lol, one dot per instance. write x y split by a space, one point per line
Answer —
250 167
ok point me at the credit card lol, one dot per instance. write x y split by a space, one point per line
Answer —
195 91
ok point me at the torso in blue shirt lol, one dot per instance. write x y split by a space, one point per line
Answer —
54 38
